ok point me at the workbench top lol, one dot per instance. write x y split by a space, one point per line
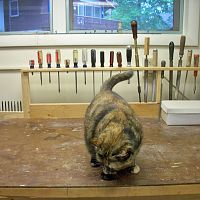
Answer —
50 153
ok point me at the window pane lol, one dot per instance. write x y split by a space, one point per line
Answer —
24 15
151 15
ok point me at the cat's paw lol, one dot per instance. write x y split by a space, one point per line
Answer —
108 177
135 169
95 163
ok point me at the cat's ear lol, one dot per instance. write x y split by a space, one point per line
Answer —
95 142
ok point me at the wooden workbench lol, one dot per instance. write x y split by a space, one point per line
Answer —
47 158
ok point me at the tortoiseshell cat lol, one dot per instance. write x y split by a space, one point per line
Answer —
113 135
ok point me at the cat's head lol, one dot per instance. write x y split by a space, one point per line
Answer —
115 152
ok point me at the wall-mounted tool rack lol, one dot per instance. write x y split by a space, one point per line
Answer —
77 110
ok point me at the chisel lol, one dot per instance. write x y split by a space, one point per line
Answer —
128 57
48 56
102 60
134 32
40 62
181 53
93 61
146 53
11 106
58 61
84 60
31 63
119 59
196 64
163 64
155 64
67 63
188 64
75 60
111 60
171 55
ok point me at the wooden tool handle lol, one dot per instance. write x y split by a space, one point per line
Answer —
102 58
182 45
93 57
171 50
155 58
40 57
119 59
189 58
134 28
111 58
196 63
146 46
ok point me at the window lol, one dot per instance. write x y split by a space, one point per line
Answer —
151 15
24 15
60 23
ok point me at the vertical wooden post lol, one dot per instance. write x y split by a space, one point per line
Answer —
158 87
26 94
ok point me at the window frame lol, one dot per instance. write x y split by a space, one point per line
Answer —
59 37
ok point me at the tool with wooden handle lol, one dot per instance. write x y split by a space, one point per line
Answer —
102 60
163 64
84 60
48 56
31 64
171 55
128 57
146 53
134 32
40 62
155 64
119 59
181 53
93 61
196 64
111 60
188 64
75 60
58 61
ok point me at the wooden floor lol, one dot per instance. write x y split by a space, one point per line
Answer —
47 158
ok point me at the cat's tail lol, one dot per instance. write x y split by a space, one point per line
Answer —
110 83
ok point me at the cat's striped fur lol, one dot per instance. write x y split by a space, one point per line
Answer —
113 134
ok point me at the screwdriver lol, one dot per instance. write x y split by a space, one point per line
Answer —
128 57
102 60
75 60
84 59
181 53
146 53
40 62
134 32
58 60
93 61
119 59
196 64
111 60
31 63
67 63
171 55
188 64
49 64
155 64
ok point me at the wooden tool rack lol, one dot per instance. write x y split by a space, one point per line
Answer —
77 110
